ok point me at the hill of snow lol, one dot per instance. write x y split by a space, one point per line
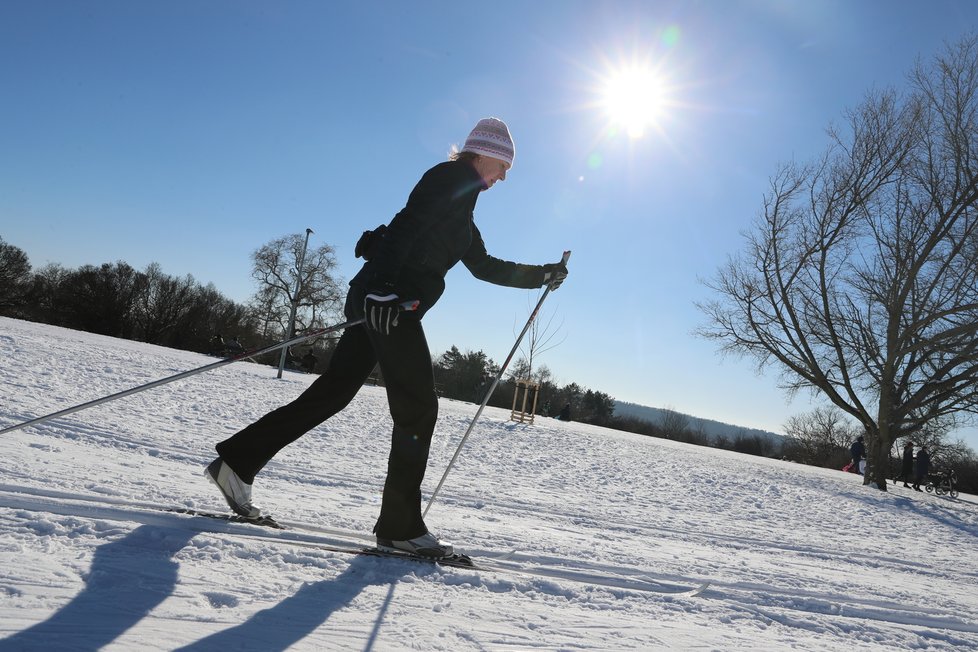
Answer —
608 529
713 429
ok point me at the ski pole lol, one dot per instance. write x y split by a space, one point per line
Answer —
492 388
408 305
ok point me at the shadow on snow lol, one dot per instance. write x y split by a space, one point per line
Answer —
133 575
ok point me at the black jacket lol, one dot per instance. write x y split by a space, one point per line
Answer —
923 464
433 232
907 468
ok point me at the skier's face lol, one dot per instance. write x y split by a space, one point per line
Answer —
491 169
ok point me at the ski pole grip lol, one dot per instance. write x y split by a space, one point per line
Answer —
565 257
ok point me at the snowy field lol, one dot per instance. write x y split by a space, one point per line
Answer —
608 529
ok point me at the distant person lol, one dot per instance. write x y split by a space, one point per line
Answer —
406 260
217 344
857 451
921 468
234 346
290 360
309 361
565 414
482 386
906 467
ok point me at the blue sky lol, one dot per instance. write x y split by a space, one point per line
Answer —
191 133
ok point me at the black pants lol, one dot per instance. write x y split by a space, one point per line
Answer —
405 361
906 474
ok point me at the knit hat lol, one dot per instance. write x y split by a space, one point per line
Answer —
491 138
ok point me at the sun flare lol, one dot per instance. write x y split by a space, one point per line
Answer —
634 100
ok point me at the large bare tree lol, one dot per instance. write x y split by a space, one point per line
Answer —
859 279
276 269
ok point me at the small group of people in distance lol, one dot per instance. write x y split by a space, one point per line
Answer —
913 468
220 346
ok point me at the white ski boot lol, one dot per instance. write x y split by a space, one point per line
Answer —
235 490
427 545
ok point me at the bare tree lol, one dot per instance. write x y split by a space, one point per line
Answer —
675 425
276 269
822 437
161 302
543 375
860 276
539 339
15 276
952 455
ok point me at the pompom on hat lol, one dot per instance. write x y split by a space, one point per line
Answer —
490 137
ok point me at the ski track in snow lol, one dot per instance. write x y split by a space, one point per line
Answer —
601 522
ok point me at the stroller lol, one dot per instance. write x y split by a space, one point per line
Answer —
943 483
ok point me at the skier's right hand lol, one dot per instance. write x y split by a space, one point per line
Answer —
380 311
554 274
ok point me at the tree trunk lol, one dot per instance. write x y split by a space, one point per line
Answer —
878 444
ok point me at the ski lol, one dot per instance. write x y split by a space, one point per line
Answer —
456 560
263 520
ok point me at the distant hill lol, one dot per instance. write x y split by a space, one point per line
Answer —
713 429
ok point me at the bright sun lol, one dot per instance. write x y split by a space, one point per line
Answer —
634 100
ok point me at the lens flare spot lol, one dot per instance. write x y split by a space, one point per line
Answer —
670 36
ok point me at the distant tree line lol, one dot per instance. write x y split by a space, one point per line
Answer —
150 306
117 300
468 376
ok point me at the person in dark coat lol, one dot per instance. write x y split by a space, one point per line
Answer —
217 346
921 468
406 260
309 361
565 413
857 452
906 468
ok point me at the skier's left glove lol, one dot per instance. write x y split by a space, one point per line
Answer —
554 274
381 312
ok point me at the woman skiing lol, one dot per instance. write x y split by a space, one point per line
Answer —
406 260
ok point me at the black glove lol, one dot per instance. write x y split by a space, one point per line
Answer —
554 274
381 312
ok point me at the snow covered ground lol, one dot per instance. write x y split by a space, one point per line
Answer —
606 526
